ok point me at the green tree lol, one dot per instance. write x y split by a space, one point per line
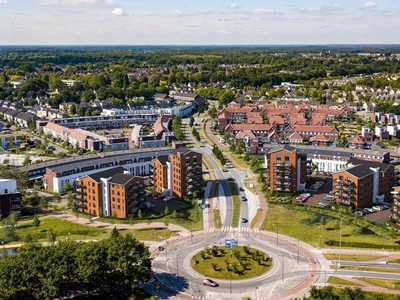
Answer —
68 187
212 112
191 122
57 198
139 214
36 221
72 109
166 211
51 236
115 233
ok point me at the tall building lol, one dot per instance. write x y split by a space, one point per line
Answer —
286 169
362 183
10 198
395 214
178 174
110 193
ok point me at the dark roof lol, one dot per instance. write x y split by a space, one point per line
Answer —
106 174
163 160
182 150
370 164
359 171
121 179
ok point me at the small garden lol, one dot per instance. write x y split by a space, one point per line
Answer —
217 262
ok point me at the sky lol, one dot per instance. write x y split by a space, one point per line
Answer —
198 22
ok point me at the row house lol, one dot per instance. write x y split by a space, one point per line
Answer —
362 184
259 130
187 97
331 132
18 118
110 193
331 114
74 137
319 140
357 142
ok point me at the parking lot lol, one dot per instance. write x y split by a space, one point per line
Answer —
317 196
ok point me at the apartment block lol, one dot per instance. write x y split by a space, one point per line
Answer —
362 183
286 169
395 214
110 193
178 174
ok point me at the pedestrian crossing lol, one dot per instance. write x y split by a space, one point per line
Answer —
184 233
234 230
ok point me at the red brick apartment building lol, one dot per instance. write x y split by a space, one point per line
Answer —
10 198
286 169
395 215
110 193
179 174
363 183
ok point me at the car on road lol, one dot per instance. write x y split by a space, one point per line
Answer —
244 198
210 282
241 189
243 220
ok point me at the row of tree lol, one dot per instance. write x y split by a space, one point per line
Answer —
113 266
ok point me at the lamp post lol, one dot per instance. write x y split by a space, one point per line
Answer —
191 232
276 224
298 251
166 250
340 244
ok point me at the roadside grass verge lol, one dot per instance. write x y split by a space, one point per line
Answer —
382 270
236 203
337 280
304 223
394 261
217 215
352 257
385 283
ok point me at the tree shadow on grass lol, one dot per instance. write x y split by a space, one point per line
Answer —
174 283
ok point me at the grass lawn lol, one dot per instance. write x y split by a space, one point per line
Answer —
236 203
352 257
337 280
386 283
153 234
303 223
214 262
394 261
62 229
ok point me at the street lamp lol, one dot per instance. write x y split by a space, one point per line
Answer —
166 250
340 243
298 251
177 265
276 232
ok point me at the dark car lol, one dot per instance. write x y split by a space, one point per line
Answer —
241 189
244 198
243 220
210 282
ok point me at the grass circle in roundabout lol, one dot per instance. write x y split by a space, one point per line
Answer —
216 262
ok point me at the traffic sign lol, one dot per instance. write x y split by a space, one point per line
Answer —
229 243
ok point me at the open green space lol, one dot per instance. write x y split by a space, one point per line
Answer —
236 203
216 262
352 257
321 227
382 282
338 280
394 261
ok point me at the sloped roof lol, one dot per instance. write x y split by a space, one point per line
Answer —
295 136
357 139
242 134
320 138
71 133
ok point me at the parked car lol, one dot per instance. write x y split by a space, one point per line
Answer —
210 282
167 199
376 208
322 204
359 213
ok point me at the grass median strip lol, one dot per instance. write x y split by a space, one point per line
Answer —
341 281
352 257
236 204
371 269
385 283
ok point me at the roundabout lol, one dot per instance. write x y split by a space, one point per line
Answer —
288 270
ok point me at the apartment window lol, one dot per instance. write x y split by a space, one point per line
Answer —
92 183
113 199
119 206
93 191
93 198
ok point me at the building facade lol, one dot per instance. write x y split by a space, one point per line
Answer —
286 169
10 198
110 193
395 213
180 174
362 184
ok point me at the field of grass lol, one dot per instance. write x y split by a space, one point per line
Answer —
236 203
337 280
214 262
352 257
303 223
385 283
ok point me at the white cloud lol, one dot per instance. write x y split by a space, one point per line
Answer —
175 13
66 2
233 5
222 31
118 11
336 6
263 11
369 4
109 2
3 1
